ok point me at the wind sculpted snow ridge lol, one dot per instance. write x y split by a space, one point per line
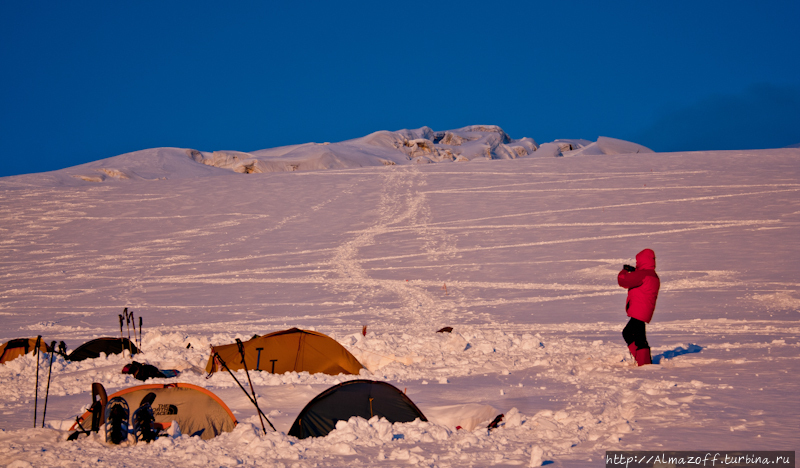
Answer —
519 256
383 148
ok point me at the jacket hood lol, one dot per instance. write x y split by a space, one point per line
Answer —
646 260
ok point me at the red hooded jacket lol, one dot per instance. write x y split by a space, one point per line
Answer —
642 285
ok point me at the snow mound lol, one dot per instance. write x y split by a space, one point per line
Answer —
416 146
383 148
149 164
603 146
468 416
614 146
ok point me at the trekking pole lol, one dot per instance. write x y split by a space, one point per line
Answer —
134 327
36 398
221 361
49 373
140 333
247 372
128 323
128 327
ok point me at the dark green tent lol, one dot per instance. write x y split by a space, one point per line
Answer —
92 349
364 398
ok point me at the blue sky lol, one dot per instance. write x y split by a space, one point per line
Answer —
88 80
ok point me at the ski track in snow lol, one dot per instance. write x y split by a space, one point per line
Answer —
405 251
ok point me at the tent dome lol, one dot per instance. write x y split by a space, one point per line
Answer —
292 350
13 349
92 349
197 411
364 398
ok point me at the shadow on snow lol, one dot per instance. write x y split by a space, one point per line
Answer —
679 351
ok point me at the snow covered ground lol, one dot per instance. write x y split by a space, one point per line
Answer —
519 256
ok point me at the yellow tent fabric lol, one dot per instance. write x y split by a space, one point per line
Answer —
197 411
19 347
286 351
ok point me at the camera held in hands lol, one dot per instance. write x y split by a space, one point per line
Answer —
629 268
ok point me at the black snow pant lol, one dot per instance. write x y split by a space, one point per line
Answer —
634 332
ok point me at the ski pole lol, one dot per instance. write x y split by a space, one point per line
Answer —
221 361
140 333
247 372
120 327
128 327
49 373
134 327
128 323
36 398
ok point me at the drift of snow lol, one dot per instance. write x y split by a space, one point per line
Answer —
518 255
383 148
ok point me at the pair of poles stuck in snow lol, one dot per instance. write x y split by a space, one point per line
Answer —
253 398
128 318
36 352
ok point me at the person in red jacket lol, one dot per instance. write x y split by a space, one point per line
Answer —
642 284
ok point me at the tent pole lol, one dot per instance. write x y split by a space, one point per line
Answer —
258 361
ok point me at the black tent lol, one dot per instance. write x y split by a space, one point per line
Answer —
364 398
92 349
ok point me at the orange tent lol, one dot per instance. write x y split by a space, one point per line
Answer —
20 347
197 411
292 350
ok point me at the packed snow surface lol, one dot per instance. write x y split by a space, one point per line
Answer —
518 255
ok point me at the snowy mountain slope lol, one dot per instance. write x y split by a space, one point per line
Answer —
520 256
383 148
